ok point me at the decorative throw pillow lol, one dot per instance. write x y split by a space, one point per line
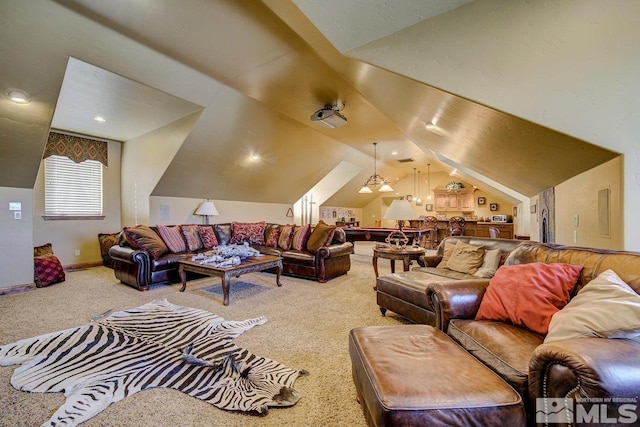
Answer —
208 237
490 264
300 237
45 249
47 270
286 236
191 236
527 295
606 307
272 235
466 258
172 237
322 234
106 240
143 237
251 232
448 250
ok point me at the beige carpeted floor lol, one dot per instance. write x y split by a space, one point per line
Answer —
307 328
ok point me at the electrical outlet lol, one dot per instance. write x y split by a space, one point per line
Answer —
77 252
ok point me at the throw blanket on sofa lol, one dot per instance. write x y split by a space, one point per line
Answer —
155 345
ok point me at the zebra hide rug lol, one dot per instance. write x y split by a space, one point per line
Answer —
155 345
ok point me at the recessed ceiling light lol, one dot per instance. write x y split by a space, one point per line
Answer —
394 153
18 96
99 119
255 157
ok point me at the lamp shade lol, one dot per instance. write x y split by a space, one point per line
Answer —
206 208
400 210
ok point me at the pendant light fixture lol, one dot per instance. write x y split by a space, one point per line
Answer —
375 179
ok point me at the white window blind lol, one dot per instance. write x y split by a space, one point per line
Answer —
72 189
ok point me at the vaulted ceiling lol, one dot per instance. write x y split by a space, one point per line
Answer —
256 71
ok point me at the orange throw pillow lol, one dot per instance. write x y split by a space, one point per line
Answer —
527 295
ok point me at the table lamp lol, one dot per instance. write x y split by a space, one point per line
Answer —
400 210
206 209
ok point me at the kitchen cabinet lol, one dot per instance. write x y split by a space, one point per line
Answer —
505 229
454 200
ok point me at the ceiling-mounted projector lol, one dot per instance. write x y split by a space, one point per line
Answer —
329 116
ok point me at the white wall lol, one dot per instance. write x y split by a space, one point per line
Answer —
16 250
578 196
180 210
144 161
570 65
68 235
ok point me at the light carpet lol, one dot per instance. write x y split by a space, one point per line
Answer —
308 326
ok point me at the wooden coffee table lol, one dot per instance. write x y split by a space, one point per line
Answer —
406 254
250 265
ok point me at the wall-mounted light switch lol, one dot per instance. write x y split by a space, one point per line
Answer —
576 220
17 215
15 206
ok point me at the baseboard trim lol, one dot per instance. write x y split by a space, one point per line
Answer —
16 289
73 267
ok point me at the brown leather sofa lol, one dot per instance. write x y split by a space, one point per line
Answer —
594 368
136 268
405 293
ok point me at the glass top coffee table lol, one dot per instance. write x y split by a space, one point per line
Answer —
250 265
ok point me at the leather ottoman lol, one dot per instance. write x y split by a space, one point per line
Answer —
415 375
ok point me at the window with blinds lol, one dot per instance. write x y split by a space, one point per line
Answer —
72 189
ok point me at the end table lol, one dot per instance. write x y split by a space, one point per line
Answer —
406 254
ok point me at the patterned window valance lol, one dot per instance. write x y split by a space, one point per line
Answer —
76 148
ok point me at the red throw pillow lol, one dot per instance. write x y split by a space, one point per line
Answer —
47 270
251 232
527 295
272 234
208 237
300 237
172 237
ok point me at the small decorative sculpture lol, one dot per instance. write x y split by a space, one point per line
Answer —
398 239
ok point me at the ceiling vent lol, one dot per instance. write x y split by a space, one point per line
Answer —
407 160
330 116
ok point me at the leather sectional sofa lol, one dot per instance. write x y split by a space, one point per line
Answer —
138 268
404 293
588 355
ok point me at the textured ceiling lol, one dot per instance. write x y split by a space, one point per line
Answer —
259 70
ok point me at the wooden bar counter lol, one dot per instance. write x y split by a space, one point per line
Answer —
472 227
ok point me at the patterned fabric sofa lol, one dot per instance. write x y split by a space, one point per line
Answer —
404 293
148 255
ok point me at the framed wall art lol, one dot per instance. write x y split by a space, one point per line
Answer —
493 206
482 201
428 207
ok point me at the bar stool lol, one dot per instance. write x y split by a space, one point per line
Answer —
456 226
431 224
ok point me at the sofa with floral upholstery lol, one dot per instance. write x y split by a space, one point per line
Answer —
147 255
